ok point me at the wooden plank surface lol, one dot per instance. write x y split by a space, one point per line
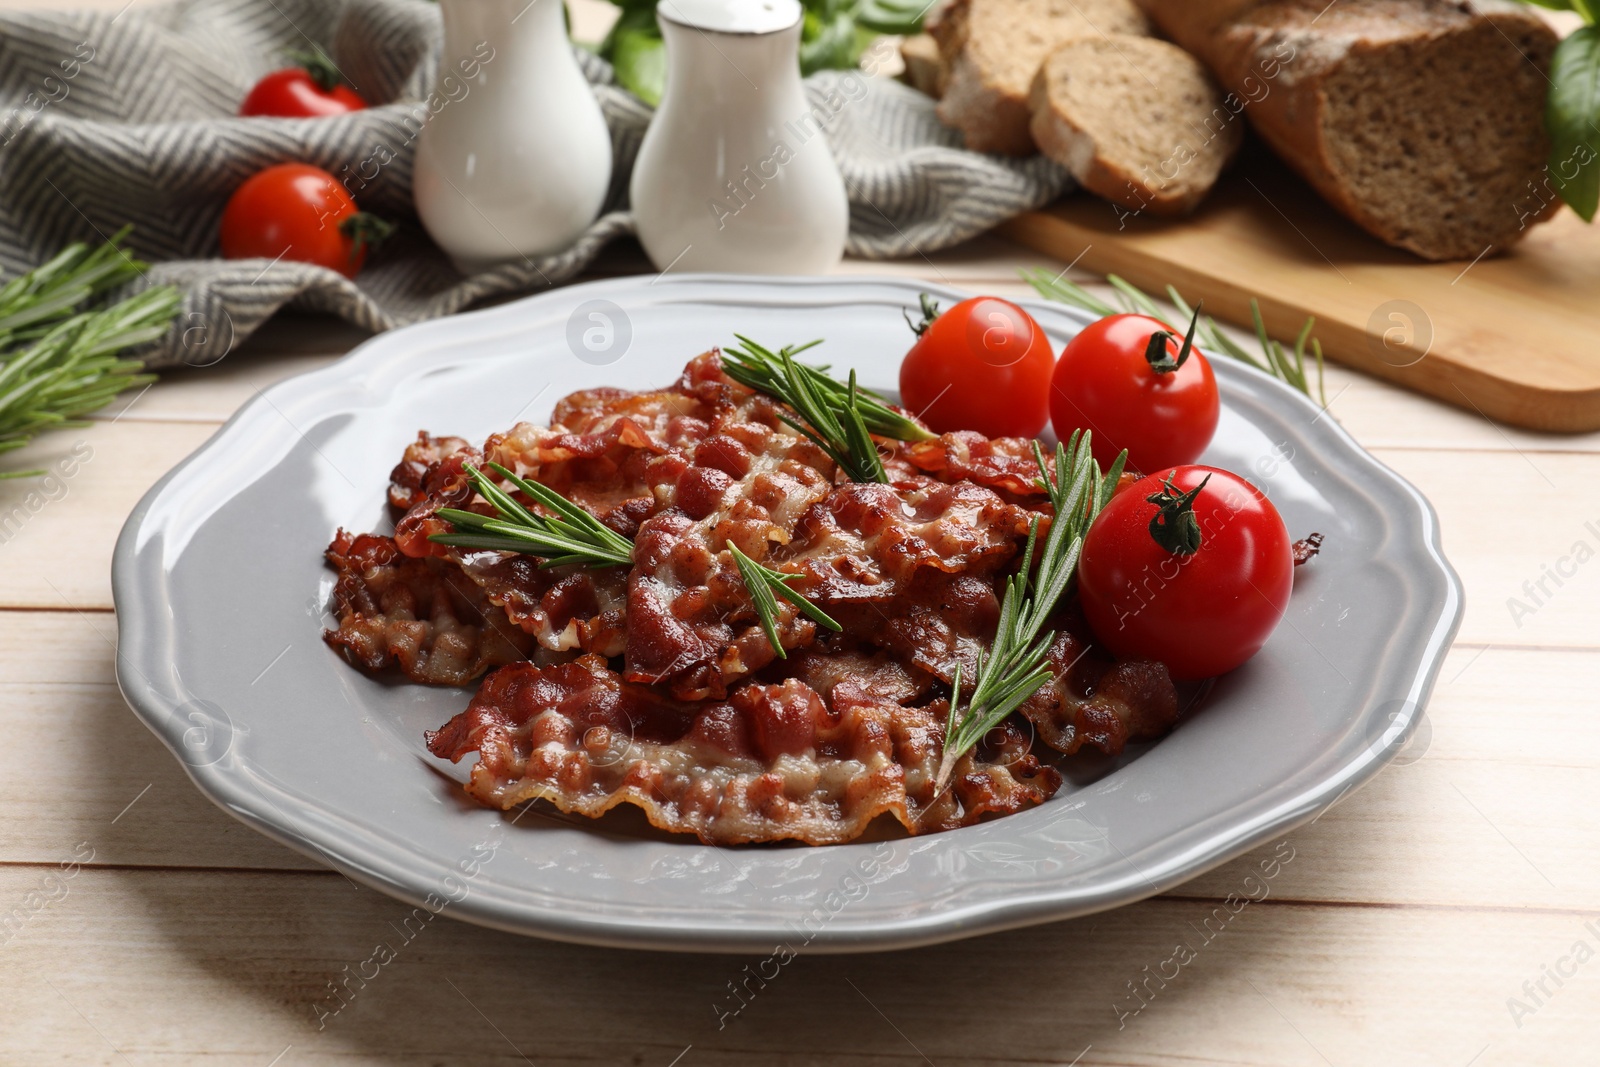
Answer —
242 963
1503 335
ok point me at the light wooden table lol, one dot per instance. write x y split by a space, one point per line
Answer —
146 926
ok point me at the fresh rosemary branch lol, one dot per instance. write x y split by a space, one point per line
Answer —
763 370
835 416
1285 365
765 585
1014 666
31 303
58 362
573 536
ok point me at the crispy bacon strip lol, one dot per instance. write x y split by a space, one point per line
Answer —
773 762
914 567
1097 701
1004 464
692 626
414 614
421 471
564 608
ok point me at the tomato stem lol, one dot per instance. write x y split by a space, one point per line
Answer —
1174 526
1306 548
1155 352
365 230
322 69
930 311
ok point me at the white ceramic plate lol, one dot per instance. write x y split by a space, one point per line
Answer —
220 592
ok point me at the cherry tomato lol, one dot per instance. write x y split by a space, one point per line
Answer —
1201 612
982 365
298 212
312 90
1163 413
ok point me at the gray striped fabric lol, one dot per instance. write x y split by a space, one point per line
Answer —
110 119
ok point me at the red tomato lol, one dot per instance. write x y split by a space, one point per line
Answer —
298 212
1203 612
298 93
983 365
1104 383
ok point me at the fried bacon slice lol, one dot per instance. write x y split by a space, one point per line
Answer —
1004 464
1095 700
692 626
561 607
567 608
773 762
422 472
430 476
912 564
743 477
419 615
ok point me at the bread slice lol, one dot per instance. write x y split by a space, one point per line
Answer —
924 66
1136 120
993 48
1421 120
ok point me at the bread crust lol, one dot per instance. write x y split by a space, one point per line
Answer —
1299 69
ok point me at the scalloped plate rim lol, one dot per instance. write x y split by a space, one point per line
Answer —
140 642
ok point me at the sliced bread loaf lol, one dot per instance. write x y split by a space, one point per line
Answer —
993 48
1422 120
1136 120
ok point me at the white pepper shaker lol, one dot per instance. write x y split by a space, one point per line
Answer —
734 173
515 159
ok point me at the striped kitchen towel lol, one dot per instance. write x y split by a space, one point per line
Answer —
111 118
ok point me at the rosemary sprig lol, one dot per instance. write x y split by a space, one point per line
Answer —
760 369
1285 365
765 586
59 362
832 415
31 303
1014 666
573 536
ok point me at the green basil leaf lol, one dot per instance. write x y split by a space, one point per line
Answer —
902 17
640 60
1572 116
828 44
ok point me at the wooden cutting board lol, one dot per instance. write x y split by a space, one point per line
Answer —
1512 335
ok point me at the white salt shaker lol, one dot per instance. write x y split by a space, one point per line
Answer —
734 173
515 159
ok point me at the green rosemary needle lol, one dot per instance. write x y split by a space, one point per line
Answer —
765 586
762 369
1285 365
573 536
833 416
59 362
1013 669
776 374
